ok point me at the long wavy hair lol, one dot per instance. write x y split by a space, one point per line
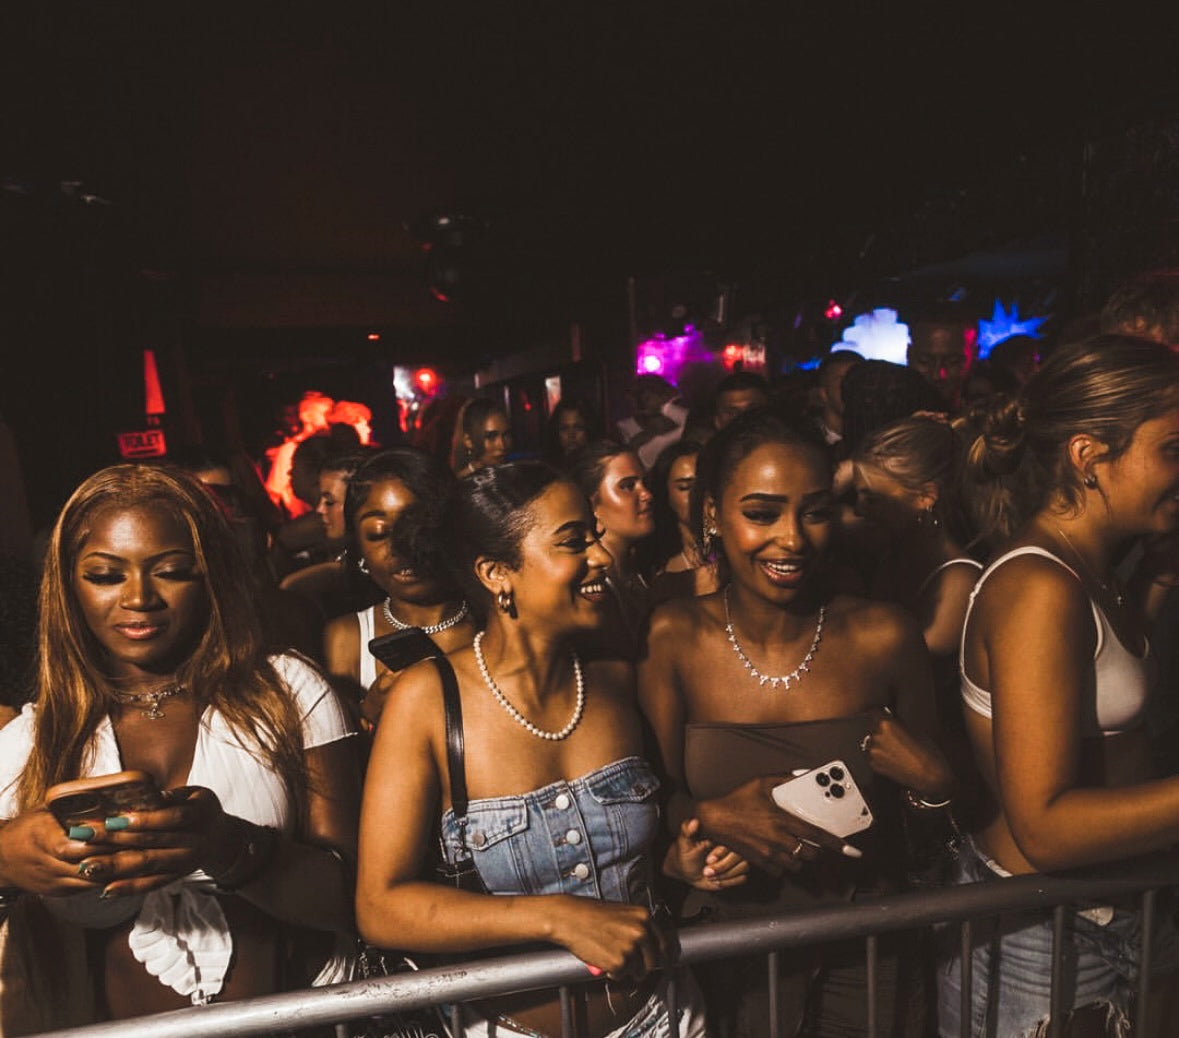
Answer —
228 669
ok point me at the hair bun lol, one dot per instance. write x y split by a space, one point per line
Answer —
1001 422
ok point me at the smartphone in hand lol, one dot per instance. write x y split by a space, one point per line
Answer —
402 649
827 797
102 796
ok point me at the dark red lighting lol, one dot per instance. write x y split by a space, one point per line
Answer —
733 352
834 311
426 380
374 336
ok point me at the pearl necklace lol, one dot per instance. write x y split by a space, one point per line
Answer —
442 625
152 699
785 680
515 714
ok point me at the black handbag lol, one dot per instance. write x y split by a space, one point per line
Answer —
428 1021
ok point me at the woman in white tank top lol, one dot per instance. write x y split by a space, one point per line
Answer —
1083 466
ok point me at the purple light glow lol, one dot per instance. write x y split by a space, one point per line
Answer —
668 357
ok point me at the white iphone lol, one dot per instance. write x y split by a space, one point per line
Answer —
828 797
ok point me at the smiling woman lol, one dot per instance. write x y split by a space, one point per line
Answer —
772 674
151 658
562 817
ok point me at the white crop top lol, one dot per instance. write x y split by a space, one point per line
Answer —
1122 683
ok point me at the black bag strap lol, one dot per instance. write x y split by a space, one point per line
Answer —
454 737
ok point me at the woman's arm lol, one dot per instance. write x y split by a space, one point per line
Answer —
397 907
1038 638
942 608
905 744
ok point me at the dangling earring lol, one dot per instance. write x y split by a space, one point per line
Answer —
930 517
711 536
1090 480
362 565
505 603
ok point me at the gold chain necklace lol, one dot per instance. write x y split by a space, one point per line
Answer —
152 698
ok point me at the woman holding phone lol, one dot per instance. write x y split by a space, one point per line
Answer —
151 659
771 675
562 819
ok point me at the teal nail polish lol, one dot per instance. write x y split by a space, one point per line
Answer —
107 894
80 832
115 824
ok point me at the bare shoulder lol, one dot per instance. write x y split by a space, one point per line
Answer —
680 618
1032 592
869 622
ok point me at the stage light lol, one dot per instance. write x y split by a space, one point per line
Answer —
374 336
426 380
877 335
652 364
732 353
834 311
1003 324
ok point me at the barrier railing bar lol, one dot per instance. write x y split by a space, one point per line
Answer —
1149 905
870 952
461 982
566 1012
967 978
774 991
672 1004
1060 918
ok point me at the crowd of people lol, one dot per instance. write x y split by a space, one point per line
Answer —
642 636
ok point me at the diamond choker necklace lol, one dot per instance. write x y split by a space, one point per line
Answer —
785 680
152 699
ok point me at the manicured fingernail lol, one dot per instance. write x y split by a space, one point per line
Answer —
120 822
594 970
107 894
81 832
851 852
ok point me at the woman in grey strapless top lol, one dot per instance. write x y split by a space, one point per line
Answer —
771 675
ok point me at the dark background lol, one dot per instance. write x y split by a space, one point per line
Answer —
249 188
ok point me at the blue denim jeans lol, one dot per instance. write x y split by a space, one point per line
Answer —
1012 964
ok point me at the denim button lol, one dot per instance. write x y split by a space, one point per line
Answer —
479 839
573 836
581 870
562 802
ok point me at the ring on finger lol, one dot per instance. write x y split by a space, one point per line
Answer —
797 851
91 869
866 742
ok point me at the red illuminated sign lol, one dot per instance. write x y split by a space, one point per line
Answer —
144 443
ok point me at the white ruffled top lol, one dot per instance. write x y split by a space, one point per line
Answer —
180 933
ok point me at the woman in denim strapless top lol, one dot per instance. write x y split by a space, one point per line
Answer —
563 812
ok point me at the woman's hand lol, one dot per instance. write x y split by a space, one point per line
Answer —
374 697
616 939
38 857
748 821
910 761
701 863
153 848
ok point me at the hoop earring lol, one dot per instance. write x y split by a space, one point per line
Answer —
1090 480
711 538
505 602
362 565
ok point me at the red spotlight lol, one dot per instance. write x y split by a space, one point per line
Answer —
834 311
733 352
374 336
426 380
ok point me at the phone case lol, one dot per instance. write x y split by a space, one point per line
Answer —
828 797
402 649
101 797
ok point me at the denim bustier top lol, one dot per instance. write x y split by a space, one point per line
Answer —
591 836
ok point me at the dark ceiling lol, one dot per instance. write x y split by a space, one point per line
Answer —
275 166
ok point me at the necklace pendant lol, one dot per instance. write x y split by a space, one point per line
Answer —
153 712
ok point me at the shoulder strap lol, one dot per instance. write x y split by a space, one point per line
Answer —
454 736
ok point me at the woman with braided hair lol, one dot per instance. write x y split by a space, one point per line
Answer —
1084 464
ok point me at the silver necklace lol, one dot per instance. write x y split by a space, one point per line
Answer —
515 714
442 625
785 680
1108 588
152 699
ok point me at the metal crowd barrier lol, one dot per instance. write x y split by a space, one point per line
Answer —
867 919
